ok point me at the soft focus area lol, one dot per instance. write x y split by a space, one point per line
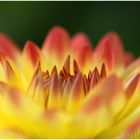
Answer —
32 20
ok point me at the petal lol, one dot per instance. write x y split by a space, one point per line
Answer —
67 64
3 87
77 88
54 99
101 105
133 96
57 41
32 85
93 79
54 71
122 127
32 52
12 75
132 131
131 85
128 58
79 41
76 94
66 92
110 48
36 89
85 80
40 94
2 70
8 47
12 133
132 69
104 94
82 47
18 111
76 69
103 71
30 58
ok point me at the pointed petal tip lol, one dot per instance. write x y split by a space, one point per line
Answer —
75 67
67 64
78 86
54 71
9 71
54 87
103 71
31 50
54 97
93 78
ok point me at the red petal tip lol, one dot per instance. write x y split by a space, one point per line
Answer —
32 51
8 47
57 40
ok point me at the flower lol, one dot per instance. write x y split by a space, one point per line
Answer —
67 89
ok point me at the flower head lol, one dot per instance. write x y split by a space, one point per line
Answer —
67 89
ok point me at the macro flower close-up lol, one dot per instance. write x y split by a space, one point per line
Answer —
69 88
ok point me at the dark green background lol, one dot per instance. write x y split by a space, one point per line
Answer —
31 20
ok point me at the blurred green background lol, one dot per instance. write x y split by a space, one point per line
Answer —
32 20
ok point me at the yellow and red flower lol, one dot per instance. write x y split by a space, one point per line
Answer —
67 89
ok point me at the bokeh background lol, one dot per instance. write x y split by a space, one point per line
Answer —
32 20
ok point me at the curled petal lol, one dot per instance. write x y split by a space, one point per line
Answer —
132 69
131 85
132 93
